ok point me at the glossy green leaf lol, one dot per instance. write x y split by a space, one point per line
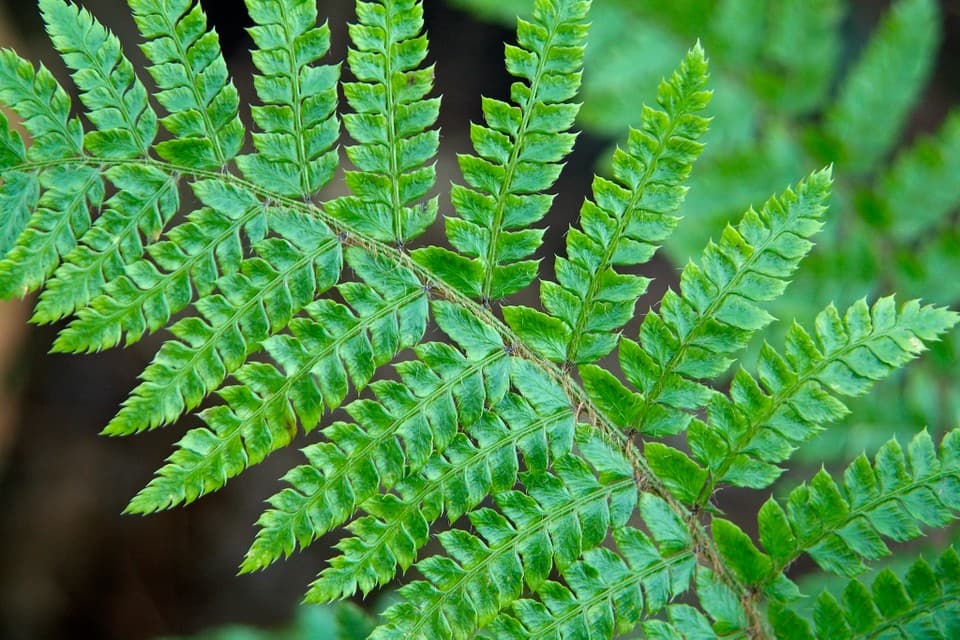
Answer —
297 116
519 150
793 396
194 85
921 604
840 526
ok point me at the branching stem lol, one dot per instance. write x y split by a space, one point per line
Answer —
707 551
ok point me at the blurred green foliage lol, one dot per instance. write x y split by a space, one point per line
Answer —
342 621
798 86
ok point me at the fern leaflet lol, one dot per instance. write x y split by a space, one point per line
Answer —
762 420
390 124
838 526
194 85
297 118
519 149
923 605
591 299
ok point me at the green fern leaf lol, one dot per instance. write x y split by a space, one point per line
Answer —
400 430
145 201
115 98
923 605
840 526
261 413
43 107
44 110
298 121
390 124
609 590
519 154
621 228
683 621
194 84
62 196
564 523
18 199
256 301
62 216
762 421
694 334
720 601
538 425
559 516
193 256
877 97
21 191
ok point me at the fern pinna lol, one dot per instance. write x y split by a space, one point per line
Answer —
568 513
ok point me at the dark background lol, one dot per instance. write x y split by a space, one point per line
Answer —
70 564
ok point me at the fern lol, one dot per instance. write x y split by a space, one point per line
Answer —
801 83
568 514
298 118
194 87
761 422
890 605
886 500
520 151
442 389
593 300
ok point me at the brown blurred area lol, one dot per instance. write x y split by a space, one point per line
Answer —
70 564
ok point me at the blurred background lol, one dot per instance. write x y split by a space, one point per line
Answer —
72 566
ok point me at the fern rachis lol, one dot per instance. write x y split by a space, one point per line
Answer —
581 519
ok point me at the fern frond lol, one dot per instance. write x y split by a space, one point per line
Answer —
50 208
801 43
398 431
115 98
764 419
560 528
194 84
919 183
483 459
520 150
260 414
683 621
297 120
922 605
560 515
62 215
146 199
840 526
256 301
391 124
20 189
18 199
184 265
43 107
883 86
608 591
695 333
621 227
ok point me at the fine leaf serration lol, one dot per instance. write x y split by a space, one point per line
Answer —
567 514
